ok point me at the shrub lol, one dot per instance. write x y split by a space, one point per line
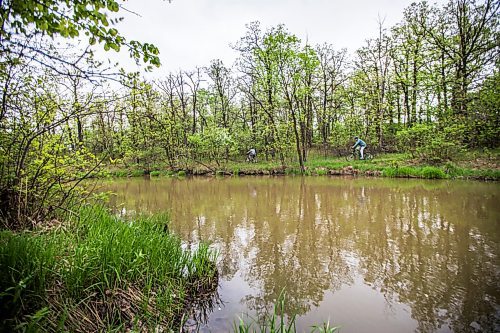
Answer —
432 143
155 173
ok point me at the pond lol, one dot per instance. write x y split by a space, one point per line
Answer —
371 255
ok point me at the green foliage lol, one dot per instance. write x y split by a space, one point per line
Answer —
343 132
483 128
277 321
321 171
46 106
155 173
402 172
135 173
452 169
41 170
325 328
120 173
486 174
69 19
214 142
431 143
433 173
292 171
94 258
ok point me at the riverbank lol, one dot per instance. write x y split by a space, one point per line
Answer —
476 167
96 273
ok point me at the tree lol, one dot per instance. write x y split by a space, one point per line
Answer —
374 63
26 19
260 83
330 78
43 159
469 39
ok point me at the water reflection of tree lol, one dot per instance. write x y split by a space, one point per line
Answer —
411 243
428 263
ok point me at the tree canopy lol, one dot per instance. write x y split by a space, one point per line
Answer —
25 20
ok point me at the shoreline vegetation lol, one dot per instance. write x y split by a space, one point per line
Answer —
99 273
484 167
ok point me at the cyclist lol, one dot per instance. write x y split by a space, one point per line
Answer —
251 155
361 144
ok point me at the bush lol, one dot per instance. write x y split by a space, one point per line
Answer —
216 143
343 132
432 143
155 173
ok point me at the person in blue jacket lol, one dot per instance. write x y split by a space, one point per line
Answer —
361 144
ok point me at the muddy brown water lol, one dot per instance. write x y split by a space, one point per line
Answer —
371 255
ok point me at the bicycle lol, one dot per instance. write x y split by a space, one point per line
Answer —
355 155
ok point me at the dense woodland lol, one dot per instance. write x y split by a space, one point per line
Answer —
428 85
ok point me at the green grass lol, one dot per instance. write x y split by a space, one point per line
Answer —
92 267
430 172
402 172
292 171
136 173
389 165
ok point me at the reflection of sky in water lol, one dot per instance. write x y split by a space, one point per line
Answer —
389 255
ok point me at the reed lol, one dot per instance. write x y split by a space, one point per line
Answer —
276 322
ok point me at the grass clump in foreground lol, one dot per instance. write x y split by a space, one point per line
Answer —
100 273
277 322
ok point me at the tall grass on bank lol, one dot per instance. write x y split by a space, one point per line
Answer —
100 273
